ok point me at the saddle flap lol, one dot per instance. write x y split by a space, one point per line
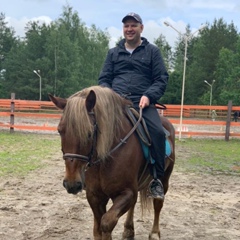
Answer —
141 130
144 135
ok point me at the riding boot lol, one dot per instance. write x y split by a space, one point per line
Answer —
157 134
155 189
158 150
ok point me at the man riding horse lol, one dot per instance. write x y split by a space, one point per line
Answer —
135 70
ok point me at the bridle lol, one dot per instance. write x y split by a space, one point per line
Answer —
88 159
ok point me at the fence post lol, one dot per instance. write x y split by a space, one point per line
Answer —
12 112
228 123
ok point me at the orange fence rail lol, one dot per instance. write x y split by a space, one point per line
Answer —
198 111
193 115
27 105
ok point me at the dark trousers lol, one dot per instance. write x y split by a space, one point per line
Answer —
157 134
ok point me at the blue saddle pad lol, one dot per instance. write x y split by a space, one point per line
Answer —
147 152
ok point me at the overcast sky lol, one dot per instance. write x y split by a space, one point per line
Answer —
107 14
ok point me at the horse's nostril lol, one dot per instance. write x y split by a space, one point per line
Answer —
79 186
64 183
73 187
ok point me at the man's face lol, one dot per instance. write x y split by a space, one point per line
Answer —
132 30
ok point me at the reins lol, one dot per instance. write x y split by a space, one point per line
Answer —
123 141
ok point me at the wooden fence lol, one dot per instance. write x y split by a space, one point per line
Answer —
196 120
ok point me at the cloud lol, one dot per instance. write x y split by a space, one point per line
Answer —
115 34
19 25
107 14
152 30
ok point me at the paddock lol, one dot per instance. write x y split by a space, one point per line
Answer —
197 206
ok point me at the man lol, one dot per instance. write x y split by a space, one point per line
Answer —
135 70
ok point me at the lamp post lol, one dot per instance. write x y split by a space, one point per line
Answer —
210 85
186 39
40 83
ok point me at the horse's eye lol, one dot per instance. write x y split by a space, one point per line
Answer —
89 135
60 130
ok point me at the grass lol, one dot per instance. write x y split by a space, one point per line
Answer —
21 153
209 156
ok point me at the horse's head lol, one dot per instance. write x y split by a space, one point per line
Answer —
77 137
90 125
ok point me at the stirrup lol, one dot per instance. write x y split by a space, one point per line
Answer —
156 191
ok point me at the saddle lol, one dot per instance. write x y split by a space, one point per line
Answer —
144 136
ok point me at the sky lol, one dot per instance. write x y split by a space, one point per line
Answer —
108 14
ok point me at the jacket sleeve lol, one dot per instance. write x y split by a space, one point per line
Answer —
159 77
106 76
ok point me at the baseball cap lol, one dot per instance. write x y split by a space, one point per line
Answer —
132 15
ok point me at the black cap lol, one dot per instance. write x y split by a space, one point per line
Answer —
134 16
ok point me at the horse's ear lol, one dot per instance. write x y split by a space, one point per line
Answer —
59 102
90 101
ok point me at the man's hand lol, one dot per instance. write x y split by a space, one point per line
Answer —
144 102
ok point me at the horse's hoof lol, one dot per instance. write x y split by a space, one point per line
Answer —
154 236
128 235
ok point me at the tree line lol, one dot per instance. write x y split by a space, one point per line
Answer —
67 56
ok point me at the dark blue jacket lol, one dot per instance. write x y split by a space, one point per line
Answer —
141 73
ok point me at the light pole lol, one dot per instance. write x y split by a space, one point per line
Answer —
186 39
210 85
40 83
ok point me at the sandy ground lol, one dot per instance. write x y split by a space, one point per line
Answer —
202 207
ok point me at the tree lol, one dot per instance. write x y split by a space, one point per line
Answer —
166 51
204 54
228 72
7 42
174 89
81 52
68 54
178 63
15 64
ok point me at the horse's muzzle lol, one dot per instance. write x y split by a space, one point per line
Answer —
73 187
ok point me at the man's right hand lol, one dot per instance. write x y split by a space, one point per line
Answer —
144 102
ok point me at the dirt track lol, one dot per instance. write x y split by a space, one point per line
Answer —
202 207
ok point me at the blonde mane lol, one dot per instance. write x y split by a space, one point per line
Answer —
109 113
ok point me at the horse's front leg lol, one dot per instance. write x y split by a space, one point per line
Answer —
121 204
128 232
98 205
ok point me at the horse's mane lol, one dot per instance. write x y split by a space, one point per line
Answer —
109 112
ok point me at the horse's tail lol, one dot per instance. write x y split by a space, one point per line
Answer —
145 201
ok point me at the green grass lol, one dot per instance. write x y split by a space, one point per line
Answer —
21 153
208 156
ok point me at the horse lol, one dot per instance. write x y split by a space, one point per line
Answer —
101 160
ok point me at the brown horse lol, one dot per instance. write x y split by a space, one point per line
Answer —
92 128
